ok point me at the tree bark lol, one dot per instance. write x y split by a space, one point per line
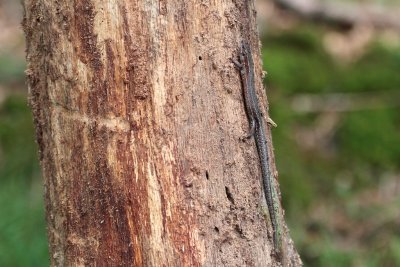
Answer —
139 115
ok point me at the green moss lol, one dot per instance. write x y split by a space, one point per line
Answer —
22 227
363 148
370 136
11 69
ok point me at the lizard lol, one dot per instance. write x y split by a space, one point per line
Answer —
246 67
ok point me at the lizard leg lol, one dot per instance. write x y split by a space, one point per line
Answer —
237 64
252 129
270 121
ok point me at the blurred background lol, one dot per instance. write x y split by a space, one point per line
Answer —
333 86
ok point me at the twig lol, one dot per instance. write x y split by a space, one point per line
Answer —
374 15
344 102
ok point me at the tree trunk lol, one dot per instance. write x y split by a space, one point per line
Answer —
139 114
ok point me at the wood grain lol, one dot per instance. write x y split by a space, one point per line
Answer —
139 114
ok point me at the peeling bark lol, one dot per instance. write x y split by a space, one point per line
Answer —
139 113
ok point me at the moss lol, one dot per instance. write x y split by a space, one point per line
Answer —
23 233
363 147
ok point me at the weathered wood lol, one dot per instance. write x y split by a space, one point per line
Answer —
139 115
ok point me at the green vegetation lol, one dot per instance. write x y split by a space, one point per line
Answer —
22 227
338 187
10 69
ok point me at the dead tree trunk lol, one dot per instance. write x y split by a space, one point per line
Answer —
139 114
